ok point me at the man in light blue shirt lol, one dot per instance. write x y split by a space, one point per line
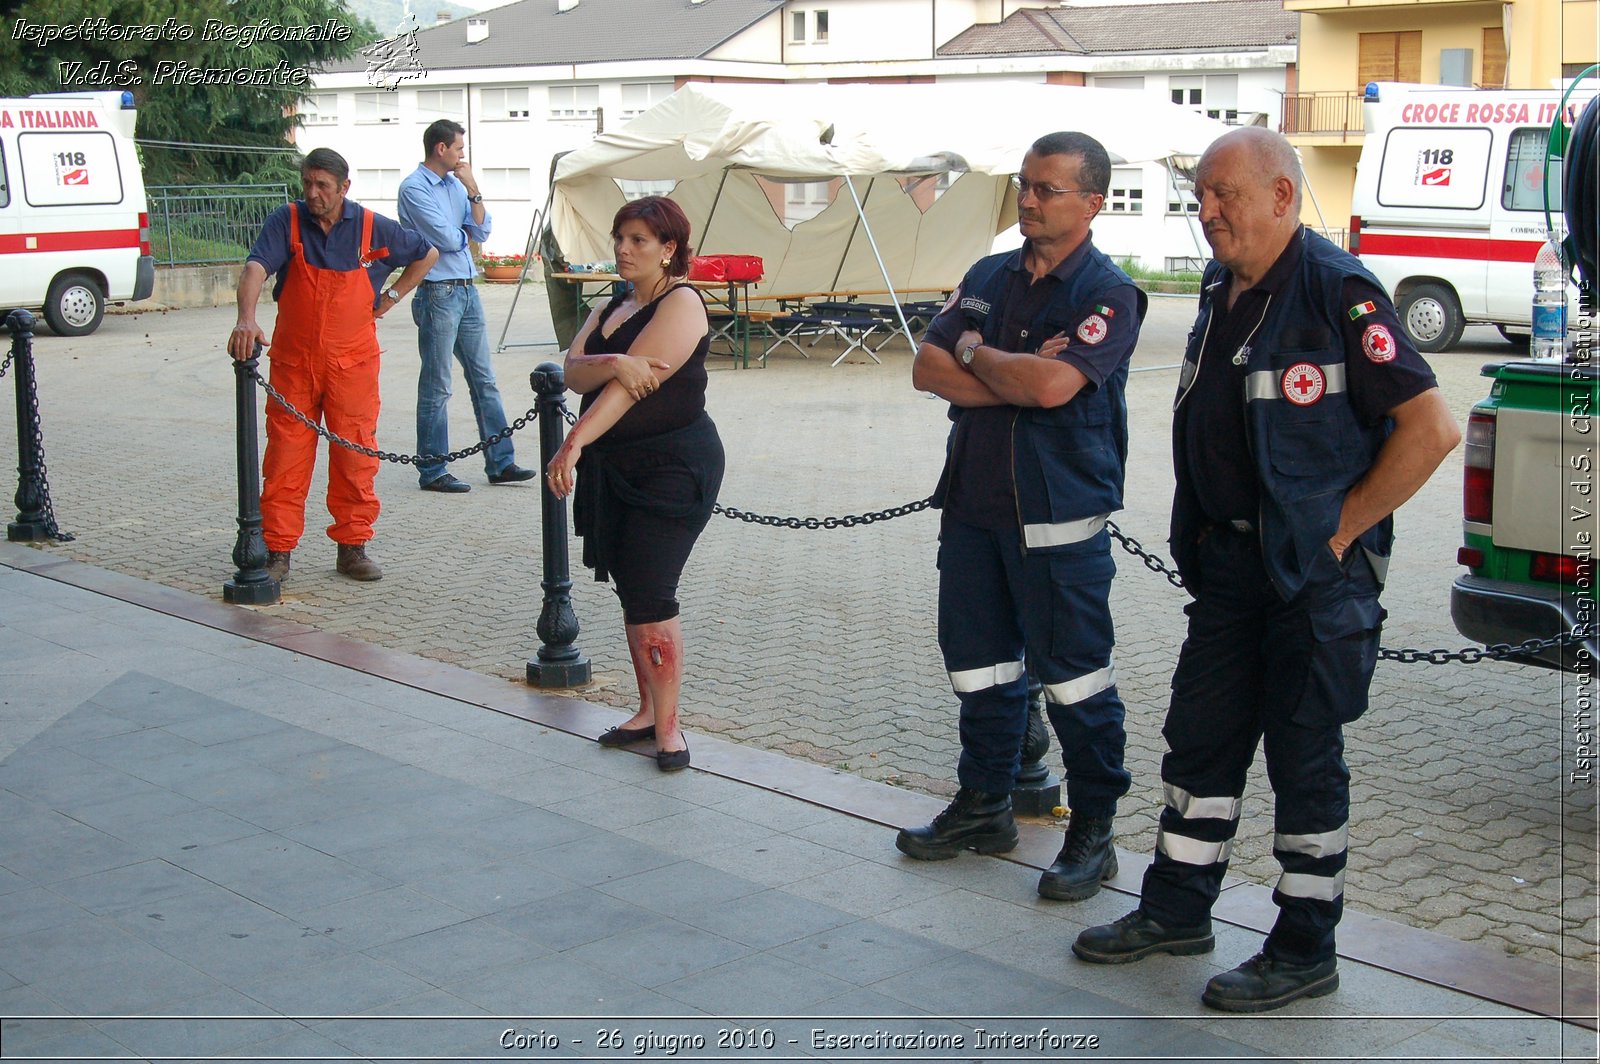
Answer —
440 200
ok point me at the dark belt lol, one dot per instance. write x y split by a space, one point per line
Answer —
465 282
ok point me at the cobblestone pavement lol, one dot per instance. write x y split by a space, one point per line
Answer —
820 644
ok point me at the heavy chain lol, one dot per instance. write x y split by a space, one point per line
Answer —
848 521
1151 561
1406 656
1497 652
46 507
5 364
389 456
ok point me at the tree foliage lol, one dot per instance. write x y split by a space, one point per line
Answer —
211 118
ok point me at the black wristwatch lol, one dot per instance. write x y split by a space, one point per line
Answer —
475 199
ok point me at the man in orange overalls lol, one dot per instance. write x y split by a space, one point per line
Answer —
332 257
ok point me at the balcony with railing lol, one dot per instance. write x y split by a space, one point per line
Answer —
1323 114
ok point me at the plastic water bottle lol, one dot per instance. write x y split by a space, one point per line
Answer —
1549 343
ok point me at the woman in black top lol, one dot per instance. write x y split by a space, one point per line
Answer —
644 458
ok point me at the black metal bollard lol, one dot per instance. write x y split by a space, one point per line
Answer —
33 522
1038 791
251 584
559 662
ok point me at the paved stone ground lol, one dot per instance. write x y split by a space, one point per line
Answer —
820 644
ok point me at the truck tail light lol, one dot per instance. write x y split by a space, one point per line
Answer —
144 233
1471 557
1560 569
1355 234
1477 496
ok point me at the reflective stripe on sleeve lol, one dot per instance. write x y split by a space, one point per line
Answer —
1189 807
967 681
1064 532
1318 888
1322 844
1068 692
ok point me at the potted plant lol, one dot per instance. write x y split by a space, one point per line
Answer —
502 269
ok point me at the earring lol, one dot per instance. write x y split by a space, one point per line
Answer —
665 263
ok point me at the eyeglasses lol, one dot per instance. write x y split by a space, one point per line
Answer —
1042 191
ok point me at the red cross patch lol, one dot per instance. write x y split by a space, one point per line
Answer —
1093 329
1378 343
1303 383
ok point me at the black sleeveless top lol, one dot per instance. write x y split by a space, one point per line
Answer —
680 399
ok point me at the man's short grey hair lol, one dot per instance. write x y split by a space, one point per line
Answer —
328 161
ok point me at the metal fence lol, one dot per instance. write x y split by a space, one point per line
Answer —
191 225
1324 113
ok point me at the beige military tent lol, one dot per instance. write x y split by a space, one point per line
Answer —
885 143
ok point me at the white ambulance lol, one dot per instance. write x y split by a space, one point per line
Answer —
74 223
1448 210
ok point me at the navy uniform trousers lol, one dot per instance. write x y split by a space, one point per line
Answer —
1256 669
997 604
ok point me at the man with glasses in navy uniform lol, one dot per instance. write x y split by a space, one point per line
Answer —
1032 352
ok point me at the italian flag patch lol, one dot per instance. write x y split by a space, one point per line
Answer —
1105 311
1363 308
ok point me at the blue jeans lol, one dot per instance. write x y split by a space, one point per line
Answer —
450 320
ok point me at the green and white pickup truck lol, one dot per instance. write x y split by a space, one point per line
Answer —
1529 505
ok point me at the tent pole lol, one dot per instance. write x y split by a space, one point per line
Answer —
705 230
851 239
861 215
535 228
1188 219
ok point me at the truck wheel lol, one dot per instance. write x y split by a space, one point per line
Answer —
75 305
1431 317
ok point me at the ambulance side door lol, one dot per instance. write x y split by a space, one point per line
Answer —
17 287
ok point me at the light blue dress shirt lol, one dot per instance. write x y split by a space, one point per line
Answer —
437 208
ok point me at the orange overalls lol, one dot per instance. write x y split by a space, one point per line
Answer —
324 360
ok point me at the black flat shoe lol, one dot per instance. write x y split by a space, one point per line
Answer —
673 760
512 474
624 736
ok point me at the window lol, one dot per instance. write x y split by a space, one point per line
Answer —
505 183
638 97
632 190
77 168
376 184
1527 173
434 104
1389 57
1494 57
797 27
320 109
804 200
1181 200
1213 95
377 107
574 101
505 103
5 185
821 23
1126 195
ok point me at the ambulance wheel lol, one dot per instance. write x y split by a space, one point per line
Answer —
75 305
1431 317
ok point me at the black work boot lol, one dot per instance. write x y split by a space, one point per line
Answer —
1087 859
1136 935
976 820
1262 983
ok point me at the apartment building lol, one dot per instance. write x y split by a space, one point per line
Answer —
538 77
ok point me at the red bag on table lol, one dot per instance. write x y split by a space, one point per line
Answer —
725 268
